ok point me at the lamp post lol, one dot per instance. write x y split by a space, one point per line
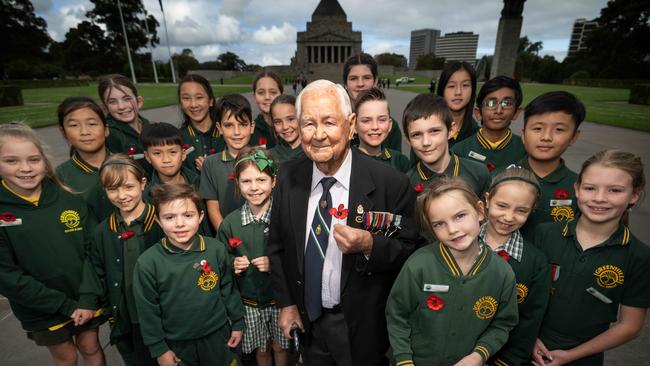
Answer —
171 61
126 42
153 63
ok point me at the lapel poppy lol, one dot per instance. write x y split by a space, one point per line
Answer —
435 302
490 166
418 187
127 234
261 141
205 267
561 194
7 217
186 146
132 151
231 176
340 213
213 151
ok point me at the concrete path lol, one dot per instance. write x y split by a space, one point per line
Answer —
16 349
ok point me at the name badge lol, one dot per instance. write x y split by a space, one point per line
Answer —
477 156
137 156
189 149
556 203
428 287
597 294
15 222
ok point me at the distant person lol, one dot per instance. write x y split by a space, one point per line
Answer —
285 124
432 86
294 85
266 87
388 83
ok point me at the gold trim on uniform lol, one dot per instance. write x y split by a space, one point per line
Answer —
387 154
562 213
81 164
483 350
500 362
609 276
522 292
626 236
485 307
224 156
424 176
450 262
488 145
149 219
404 363
478 263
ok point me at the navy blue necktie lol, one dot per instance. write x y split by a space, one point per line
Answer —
319 233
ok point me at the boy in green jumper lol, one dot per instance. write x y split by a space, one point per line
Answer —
497 104
217 185
461 308
373 126
428 126
83 124
185 293
285 124
551 125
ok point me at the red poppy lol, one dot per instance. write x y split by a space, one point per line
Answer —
503 254
435 303
418 188
561 194
261 141
205 267
234 242
213 151
127 234
490 166
132 151
186 146
7 217
339 213
231 176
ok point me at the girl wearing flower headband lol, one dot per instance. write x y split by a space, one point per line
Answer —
454 301
44 235
246 232
118 242
509 201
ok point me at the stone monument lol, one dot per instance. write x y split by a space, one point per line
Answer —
505 51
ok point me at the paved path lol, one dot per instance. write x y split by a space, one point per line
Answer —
16 349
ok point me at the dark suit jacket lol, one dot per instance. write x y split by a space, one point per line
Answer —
365 284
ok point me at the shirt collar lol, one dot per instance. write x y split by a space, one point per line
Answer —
247 216
451 170
171 248
342 175
514 246
489 145
621 236
553 177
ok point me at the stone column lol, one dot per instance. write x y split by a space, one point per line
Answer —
505 50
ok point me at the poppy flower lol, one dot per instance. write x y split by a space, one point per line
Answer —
561 194
435 303
340 213
418 188
261 141
7 217
186 146
231 176
132 151
205 267
127 234
234 242
490 166
213 151
503 254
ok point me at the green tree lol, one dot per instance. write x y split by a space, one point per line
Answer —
429 62
85 50
185 61
230 61
393 59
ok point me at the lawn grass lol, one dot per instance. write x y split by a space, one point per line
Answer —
40 104
604 105
247 79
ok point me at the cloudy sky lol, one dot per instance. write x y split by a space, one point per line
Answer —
264 32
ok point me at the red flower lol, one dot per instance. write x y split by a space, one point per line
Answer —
231 176
213 151
561 194
503 254
490 166
7 217
261 141
186 146
205 267
127 234
435 303
418 188
340 213
132 151
234 242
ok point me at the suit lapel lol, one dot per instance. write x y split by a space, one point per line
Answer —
299 200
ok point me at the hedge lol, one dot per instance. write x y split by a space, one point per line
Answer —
640 94
605 83
10 95
36 84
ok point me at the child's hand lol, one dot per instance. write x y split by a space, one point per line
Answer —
241 264
473 359
262 263
81 316
235 338
199 162
541 355
168 359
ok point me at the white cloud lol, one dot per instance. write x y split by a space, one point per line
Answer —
275 35
234 7
66 17
41 6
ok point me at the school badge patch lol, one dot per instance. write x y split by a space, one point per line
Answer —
522 292
562 213
609 276
70 219
485 307
207 281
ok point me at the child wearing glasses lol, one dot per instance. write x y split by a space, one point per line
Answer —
497 104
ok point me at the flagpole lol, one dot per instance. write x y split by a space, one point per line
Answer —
153 63
169 49
126 42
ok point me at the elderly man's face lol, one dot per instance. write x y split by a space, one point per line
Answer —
325 133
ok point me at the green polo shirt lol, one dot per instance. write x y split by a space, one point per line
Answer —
84 178
204 143
393 158
475 174
122 138
584 281
263 131
177 300
474 312
478 148
283 152
218 182
551 206
110 265
42 254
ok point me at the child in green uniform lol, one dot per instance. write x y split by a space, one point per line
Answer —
246 232
497 105
266 87
457 85
118 242
551 123
599 269
185 293
373 125
509 201
285 124
123 104
83 124
44 237
428 125
217 185
454 301
199 127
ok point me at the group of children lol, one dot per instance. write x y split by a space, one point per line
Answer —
162 231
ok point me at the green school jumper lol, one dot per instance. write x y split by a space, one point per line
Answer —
283 152
533 277
218 182
557 201
475 174
204 143
84 178
589 285
478 148
263 134
42 250
254 286
393 158
180 302
436 315
122 138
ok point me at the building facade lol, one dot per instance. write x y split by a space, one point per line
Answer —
581 29
423 41
457 46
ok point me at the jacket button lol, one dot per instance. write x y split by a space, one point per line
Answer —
369 273
299 283
118 260
116 284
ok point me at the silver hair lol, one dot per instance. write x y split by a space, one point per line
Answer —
344 99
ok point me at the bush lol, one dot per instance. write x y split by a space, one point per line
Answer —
640 94
10 95
580 74
36 84
606 83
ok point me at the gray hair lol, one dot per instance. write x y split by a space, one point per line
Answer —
344 99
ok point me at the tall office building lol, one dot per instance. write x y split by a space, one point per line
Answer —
457 46
423 41
581 29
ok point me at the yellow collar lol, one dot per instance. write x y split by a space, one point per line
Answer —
33 201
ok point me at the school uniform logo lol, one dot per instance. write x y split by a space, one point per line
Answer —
71 220
485 307
609 276
522 292
208 278
562 213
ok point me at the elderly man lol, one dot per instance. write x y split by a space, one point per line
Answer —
341 228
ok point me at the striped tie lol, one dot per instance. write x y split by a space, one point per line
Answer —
316 247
